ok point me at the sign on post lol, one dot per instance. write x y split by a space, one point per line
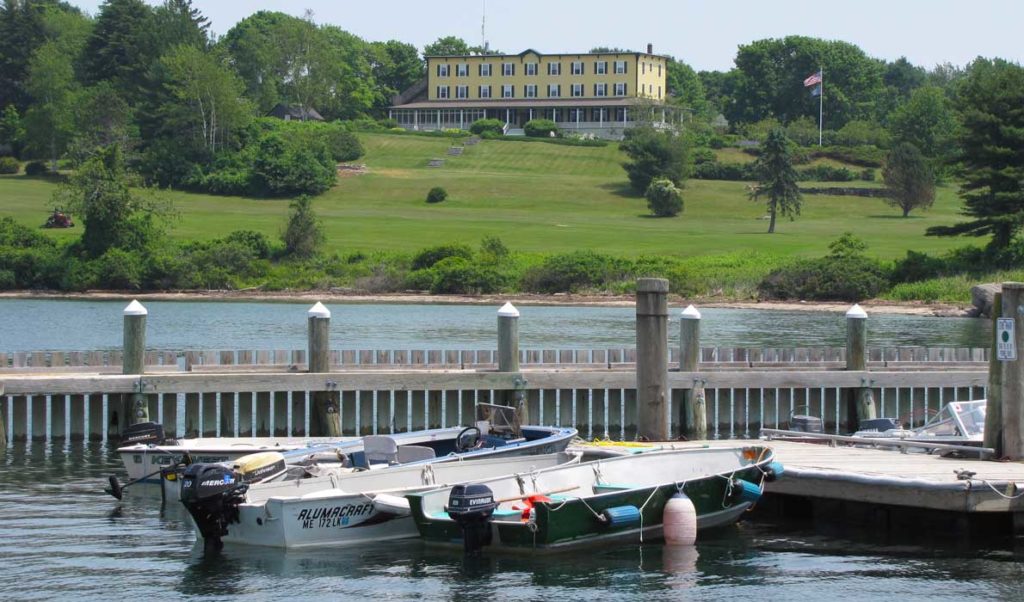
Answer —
1006 346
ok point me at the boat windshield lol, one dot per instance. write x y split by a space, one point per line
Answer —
959 418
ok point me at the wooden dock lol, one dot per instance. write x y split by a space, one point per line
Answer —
891 491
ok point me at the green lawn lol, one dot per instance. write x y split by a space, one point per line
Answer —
537 197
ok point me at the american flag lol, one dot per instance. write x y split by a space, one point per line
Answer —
813 79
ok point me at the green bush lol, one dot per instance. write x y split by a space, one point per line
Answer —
36 168
344 145
493 126
303 235
916 267
7 280
9 165
845 274
437 195
826 173
427 258
867 174
460 276
540 128
654 154
387 123
257 242
572 272
119 269
663 198
737 172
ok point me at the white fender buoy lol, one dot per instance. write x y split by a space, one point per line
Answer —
679 521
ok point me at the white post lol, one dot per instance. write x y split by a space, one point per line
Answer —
625 116
439 119
134 361
415 119
821 101
462 119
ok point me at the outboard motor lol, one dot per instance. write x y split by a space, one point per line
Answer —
212 493
144 432
471 506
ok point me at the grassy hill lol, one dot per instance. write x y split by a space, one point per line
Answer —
537 197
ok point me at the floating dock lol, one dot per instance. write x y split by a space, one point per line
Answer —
888 491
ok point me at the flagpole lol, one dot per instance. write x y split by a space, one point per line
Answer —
821 100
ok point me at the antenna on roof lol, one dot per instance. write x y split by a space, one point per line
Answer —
483 28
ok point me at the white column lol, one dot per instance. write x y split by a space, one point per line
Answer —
625 116
462 119
439 119
415 119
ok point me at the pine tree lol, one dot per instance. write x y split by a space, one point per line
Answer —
991 102
908 178
777 179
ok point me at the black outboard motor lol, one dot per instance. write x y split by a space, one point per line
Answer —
212 493
144 432
471 507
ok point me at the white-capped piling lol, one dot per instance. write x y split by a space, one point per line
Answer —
694 412
134 359
993 433
508 357
861 401
325 419
652 358
1012 385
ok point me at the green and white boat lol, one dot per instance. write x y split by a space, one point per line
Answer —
616 499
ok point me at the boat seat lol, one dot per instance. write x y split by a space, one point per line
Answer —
380 449
610 487
415 453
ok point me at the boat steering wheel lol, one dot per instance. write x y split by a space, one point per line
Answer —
468 438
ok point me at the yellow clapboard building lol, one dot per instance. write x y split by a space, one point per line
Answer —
596 94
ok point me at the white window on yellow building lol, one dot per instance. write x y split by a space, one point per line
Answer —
554 90
462 70
577 67
577 90
600 67
485 69
443 69
620 89
659 69
530 90
442 92
508 91
461 91
600 89
554 68
485 92
620 67
531 68
508 69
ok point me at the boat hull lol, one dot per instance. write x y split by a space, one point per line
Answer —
570 521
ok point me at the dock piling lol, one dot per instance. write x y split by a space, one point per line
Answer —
134 361
326 420
1012 373
993 433
652 358
508 357
861 404
694 411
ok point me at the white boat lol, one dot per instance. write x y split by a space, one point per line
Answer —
957 423
344 507
147 451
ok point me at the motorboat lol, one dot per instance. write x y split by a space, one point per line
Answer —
343 507
621 498
956 423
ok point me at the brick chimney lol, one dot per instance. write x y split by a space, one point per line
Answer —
650 48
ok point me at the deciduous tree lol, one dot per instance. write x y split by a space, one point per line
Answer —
654 154
909 179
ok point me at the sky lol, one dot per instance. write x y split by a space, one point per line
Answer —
703 34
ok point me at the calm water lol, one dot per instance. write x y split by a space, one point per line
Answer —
30 325
65 539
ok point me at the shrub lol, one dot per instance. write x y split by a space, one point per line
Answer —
663 198
493 249
257 242
36 168
867 174
437 195
572 272
344 145
302 236
119 269
826 173
9 165
654 154
739 172
388 123
428 257
7 281
916 267
493 126
846 274
704 155
540 128
458 275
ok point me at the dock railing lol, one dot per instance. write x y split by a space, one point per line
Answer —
57 396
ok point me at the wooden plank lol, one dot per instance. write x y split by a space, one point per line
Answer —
400 357
226 358
348 357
